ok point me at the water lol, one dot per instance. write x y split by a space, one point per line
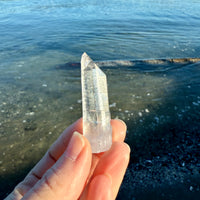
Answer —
38 98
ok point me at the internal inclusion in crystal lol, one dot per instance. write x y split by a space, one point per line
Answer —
95 106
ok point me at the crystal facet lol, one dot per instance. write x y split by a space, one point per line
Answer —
96 114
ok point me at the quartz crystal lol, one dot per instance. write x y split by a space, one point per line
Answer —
96 114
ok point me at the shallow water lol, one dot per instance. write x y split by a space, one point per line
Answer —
39 99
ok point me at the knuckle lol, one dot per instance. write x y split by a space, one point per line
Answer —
52 180
47 180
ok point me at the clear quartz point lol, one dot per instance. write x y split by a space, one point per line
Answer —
96 114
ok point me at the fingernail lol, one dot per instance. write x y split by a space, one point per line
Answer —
75 146
123 128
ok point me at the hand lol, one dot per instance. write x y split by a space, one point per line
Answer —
70 171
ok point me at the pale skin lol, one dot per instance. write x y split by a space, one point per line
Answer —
69 170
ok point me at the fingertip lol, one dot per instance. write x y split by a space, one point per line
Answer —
75 146
118 130
84 145
127 147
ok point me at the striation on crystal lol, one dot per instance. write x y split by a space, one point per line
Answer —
95 106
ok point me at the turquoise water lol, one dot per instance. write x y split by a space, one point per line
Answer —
106 30
40 91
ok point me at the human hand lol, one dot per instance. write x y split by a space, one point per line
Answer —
70 171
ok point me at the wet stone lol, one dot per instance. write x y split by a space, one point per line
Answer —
29 125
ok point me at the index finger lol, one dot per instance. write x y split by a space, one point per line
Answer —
57 149
59 146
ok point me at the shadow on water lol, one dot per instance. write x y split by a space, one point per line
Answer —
165 139
164 160
160 103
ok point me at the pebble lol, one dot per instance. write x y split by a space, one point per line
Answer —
17 113
195 104
179 115
112 105
191 188
147 110
30 113
140 114
71 108
157 119
40 100
44 85
79 101
126 111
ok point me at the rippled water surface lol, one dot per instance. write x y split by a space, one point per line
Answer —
40 93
